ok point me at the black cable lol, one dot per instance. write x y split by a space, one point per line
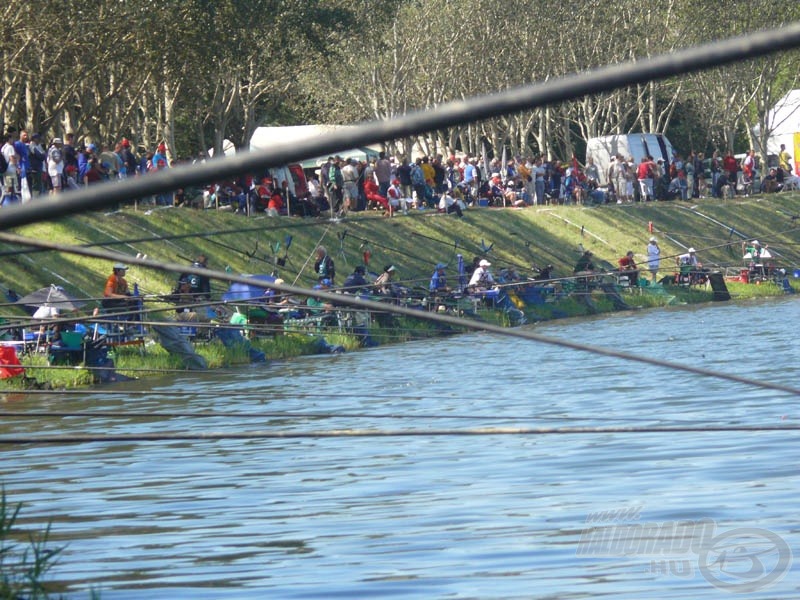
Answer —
113 414
527 97
355 301
384 433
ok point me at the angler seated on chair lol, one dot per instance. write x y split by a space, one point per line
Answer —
757 258
691 271
543 273
384 284
586 270
356 282
481 279
482 284
116 294
322 311
438 287
628 268
184 299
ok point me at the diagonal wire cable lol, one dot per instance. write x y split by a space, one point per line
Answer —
534 95
388 433
355 301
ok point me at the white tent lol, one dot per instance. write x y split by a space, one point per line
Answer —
228 148
784 119
266 137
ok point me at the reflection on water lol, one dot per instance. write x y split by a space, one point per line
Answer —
498 516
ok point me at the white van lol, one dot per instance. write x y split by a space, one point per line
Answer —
636 145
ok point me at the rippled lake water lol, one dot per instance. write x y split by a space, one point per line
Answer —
438 514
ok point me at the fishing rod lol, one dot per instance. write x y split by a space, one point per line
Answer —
581 227
113 414
528 97
313 252
215 436
434 317
158 238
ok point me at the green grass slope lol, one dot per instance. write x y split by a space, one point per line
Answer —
414 244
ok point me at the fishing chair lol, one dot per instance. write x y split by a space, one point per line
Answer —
122 329
69 350
684 275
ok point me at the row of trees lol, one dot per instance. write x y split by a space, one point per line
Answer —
194 72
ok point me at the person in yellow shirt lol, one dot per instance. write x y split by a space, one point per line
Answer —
429 172
785 161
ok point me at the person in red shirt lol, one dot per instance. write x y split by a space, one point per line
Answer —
730 167
627 266
275 205
372 193
644 173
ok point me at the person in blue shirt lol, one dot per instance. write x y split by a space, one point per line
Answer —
438 283
356 282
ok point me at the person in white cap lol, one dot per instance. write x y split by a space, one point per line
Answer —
116 293
690 268
753 250
481 277
690 258
653 258
384 283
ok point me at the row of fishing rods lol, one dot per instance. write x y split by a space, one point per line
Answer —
274 247
528 97
433 299
480 250
354 301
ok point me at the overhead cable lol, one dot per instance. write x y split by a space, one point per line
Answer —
527 97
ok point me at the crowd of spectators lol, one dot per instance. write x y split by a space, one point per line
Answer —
388 184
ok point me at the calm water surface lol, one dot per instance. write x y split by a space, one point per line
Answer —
439 516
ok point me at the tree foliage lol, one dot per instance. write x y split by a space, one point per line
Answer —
195 72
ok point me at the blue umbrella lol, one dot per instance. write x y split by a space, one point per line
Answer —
245 291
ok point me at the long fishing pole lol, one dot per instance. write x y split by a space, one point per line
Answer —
384 433
161 414
178 236
435 317
534 95
310 256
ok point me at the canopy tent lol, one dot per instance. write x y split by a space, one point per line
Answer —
228 149
266 137
784 118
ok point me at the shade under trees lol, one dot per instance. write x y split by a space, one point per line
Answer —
197 72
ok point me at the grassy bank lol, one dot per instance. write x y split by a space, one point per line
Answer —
507 237
520 238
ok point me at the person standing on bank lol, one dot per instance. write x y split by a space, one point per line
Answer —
653 258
